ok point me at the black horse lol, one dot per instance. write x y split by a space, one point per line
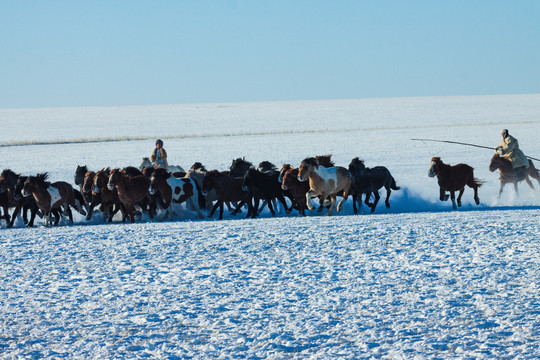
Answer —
239 167
264 186
368 181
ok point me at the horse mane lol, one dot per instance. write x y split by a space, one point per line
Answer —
42 178
146 159
198 166
310 161
325 160
356 162
9 173
162 173
268 166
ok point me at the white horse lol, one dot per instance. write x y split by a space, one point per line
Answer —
172 168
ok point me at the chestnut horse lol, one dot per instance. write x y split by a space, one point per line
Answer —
110 203
50 196
177 190
325 182
131 189
509 175
454 178
297 189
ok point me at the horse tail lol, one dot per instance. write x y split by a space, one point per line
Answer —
478 182
393 184
200 197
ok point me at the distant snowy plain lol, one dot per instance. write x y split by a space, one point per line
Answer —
418 280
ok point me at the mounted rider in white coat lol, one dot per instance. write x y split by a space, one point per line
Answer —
509 149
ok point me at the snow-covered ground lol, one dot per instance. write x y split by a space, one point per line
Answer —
417 280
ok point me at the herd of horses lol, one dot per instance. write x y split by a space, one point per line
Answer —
133 191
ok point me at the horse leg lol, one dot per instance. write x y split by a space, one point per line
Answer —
221 210
461 191
332 204
195 205
377 198
343 199
354 200
271 207
516 188
309 204
14 216
387 201
443 196
528 181
69 214
453 197
255 211
476 198
214 209
33 213
501 188
366 200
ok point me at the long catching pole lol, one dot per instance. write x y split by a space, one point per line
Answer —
467 144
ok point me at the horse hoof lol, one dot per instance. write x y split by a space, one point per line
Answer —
477 201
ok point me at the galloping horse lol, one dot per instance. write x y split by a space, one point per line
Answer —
228 189
131 189
324 182
176 190
50 196
509 175
297 189
370 180
110 203
454 178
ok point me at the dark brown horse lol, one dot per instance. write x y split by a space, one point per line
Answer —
368 181
110 203
297 189
50 196
509 175
131 189
227 189
454 178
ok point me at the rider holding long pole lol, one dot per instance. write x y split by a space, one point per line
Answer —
509 149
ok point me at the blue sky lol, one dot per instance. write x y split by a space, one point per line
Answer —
91 53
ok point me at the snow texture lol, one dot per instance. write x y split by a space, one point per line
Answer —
418 280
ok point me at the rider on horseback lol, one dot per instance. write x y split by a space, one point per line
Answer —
159 156
509 149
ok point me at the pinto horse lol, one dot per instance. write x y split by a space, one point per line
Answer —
227 189
368 181
50 196
509 175
324 182
454 178
177 190
131 189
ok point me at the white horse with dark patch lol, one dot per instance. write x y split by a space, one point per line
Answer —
172 168
325 183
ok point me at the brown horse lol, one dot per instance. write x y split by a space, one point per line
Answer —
227 189
50 196
110 203
454 178
177 190
131 189
298 189
324 182
509 175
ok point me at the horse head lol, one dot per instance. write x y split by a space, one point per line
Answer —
306 167
79 174
265 166
34 183
7 180
497 162
145 162
209 180
283 170
114 179
434 166
356 166
239 167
